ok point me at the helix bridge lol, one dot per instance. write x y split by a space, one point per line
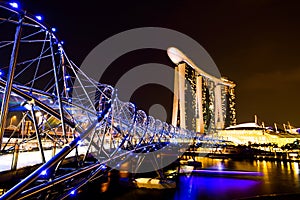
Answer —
71 111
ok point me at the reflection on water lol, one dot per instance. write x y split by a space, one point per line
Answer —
197 187
277 178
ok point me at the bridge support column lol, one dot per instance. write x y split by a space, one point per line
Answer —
15 156
56 67
10 76
37 132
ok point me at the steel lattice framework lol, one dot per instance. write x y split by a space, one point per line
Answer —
38 80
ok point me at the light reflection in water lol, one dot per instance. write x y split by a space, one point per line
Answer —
296 169
198 187
278 178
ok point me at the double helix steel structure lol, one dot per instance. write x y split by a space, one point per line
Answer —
58 104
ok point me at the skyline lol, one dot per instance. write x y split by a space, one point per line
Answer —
253 44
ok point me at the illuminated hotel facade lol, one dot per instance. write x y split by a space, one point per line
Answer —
201 103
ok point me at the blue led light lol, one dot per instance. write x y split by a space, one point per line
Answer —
44 172
68 89
14 5
72 192
103 167
1 73
79 142
39 17
69 100
67 76
53 29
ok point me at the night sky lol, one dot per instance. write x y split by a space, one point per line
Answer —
254 43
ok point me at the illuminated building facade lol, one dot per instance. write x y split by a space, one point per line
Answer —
228 103
201 103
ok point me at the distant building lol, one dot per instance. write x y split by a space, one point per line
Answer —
202 103
252 133
228 103
210 99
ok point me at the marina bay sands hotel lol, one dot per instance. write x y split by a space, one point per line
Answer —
202 102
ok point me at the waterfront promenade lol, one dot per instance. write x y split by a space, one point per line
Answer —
31 158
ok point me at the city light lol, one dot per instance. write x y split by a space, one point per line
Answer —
39 17
103 167
67 76
14 5
12 119
44 172
220 166
38 114
79 143
72 192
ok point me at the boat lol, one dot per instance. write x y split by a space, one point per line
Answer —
154 183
